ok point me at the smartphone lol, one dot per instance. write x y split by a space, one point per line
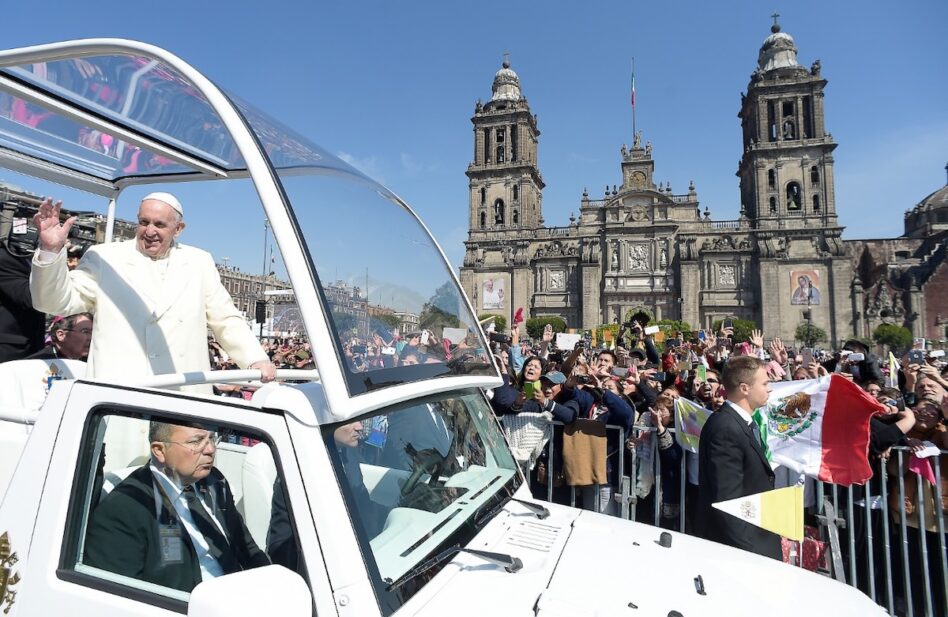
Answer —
701 373
673 342
424 337
701 335
807 356
728 323
938 353
659 376
358 349
916 356
618 371
388 351
859 357
651 330
530 389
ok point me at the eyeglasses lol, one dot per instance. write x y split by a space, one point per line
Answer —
83 331
198 444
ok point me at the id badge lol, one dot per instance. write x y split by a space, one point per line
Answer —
169 537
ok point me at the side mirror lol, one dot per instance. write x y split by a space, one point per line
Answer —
270 590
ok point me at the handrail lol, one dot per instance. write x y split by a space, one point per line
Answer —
211 377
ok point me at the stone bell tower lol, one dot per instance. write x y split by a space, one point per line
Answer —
505 184
786 170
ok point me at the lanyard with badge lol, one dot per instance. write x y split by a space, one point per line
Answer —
170 542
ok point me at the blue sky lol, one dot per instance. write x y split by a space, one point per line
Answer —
391 86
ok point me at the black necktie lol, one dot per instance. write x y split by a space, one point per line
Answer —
217 544
755 432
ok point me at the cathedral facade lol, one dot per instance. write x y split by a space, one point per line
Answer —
641 245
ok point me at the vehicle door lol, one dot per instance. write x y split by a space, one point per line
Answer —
110 536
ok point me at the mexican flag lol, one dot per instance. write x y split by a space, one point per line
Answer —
820 427
689 420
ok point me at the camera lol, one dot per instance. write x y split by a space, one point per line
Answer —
583 379
496 337
358 349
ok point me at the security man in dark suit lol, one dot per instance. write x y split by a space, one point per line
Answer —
173 522
21 326
732 462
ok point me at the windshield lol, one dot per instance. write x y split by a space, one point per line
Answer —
396 311
420 477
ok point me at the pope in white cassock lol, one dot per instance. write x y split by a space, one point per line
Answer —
153 298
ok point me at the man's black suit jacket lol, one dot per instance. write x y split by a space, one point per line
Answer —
732 465
21 327
124 536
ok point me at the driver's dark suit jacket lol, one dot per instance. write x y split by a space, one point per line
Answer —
124 536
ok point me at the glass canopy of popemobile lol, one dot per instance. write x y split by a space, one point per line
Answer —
104 115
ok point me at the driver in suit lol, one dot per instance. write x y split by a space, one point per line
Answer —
731 460
173 522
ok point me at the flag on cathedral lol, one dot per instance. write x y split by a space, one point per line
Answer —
820 427
689 420
633 83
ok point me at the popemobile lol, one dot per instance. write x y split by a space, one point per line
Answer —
368 491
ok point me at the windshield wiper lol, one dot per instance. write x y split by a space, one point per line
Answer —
540 511
510 564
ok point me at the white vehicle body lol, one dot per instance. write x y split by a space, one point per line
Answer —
573 562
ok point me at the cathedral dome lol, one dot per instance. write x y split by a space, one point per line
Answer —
506 85
778 51
936 201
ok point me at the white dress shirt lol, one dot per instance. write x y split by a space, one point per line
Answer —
209 566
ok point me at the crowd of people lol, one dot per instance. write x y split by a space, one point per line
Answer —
634 385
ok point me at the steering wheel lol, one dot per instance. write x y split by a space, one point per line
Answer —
425 461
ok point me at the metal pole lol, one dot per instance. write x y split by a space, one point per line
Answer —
886 540
635 475
940 518
850 519
263 282
870 571
681 494
923 544
906 577
658 476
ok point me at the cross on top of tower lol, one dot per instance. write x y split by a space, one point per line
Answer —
776 27
506 59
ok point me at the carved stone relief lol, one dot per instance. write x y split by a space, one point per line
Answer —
638 257
727 275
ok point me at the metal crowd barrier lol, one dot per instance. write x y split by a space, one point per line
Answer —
859 530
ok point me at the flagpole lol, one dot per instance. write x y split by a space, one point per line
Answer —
633 99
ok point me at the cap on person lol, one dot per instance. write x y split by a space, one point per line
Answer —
555 377
166 198
855 345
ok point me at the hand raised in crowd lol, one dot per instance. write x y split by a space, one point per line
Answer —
911 374
710 340
547 333
757 339
778 352
52 233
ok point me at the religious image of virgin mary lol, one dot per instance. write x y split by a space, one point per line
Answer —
805 292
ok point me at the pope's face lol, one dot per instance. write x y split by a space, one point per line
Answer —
158 226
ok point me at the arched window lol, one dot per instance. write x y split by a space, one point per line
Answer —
789 129
773 205
516 192
816 203
794 197
515 217
771 178
483 220
499 212
814 175
483 196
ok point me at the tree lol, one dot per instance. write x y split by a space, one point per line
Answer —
671 327
500 322
599 331
896 338
345 322
535 326
809 335
389 320
742 329
435 319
